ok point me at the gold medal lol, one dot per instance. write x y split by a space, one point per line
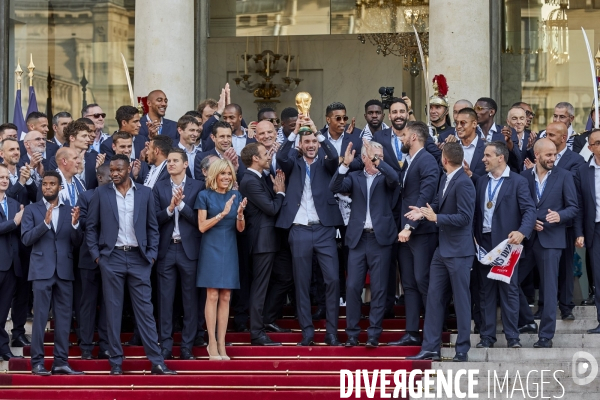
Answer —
490 204
401 163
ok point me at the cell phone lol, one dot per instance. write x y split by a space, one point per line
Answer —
403 94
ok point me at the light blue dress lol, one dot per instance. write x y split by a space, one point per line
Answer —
218 266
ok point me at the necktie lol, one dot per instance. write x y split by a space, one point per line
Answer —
5 207
398 151
80 188
72 198
307 170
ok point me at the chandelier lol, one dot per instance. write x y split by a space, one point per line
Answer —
556 31
396 18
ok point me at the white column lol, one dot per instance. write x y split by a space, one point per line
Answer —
459 47
164 52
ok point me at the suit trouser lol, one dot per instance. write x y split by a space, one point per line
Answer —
77 294
488 295
448 274
475 288
166 268
57 293
8 284
91 287
390 297
129 267
201 295
368 254
414 260
262 266
240 298
594 257
20 302
281 282
565 274
304 240
526 270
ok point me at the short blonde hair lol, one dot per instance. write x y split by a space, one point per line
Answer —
216 167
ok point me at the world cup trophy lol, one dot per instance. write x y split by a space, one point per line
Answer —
303 100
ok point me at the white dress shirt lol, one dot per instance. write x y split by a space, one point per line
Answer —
491 133
154 173
125 208
191 156
97 143
559 155
55 213
469 150
337 143
597 184
409 160
176 234
370 179
448 179
239 142
541 185
495 184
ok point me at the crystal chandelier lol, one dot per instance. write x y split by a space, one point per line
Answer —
556 31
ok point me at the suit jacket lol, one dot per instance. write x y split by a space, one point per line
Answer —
419 184
145 170
514 211
498 136
91 181
455 209
83 202
581 141
188 217
261 213
585 221
169 128
570 161
559 195
9 238
102 224
384 137
23 194
321 172
25 160
348 138
380 205
51 250
477 167
139 142
213 152
51 149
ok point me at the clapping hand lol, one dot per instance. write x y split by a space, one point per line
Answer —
278 182
231 155
349 155
252 129
75 215
241 207
178 196
531 141
552 217
136 166
25 174
428 213
415 214
228 205
48 218
18 216
528 164
507 132
350 128
100 159
153 127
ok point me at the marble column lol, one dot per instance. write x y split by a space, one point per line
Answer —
164 52
459 47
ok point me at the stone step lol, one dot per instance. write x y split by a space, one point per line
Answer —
579 312
561 340
577 326
515 355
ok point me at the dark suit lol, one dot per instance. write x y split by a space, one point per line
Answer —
177 258
51 270
119 267
513 211
315 237
497 136
25 160
91 181
145 170
451 264
169 128
477 167
372 249
213 152
51 149
544 248
419 184
10 264
139 143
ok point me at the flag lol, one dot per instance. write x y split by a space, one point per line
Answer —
502 258
32 101
18 114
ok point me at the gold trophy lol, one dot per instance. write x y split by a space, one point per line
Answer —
303 100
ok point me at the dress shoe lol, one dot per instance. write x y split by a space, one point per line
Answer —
425 355
332 340
103 355
320 314
407 340
199 341
568 316
513 344
186 354
166 354
306 341
485 343
543 343
116 370
264 340
460 357
9 355
276 328
352 341
65 370
529 328
538 314
213 357
590 301
372 343
595 330
134 341
241 328
86 355
400 300
40 370
20 341
161 369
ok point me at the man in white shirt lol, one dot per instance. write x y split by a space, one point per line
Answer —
233 115
189 132
155 169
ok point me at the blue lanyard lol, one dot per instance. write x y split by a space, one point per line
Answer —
5 207
398 152
491 193
71 187
539 192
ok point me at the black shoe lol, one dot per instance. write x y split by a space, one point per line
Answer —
476 330
199 341
352 341
389 314
276 328
426 355
86 355
407 340
161 369
372 343
103 355
568 316
332 340
513 344
538 314
20 341
595 330
590 301
166 354
400 300
116 370
543 343
134 341
9 355
241 328
264 340
65 370
320 314
40 370
186 354
485 343
460 357
306 341
529 328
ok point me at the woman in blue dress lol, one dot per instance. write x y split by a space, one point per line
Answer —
218 268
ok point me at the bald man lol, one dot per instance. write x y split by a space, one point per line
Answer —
154 122
517 121
68 161
553 192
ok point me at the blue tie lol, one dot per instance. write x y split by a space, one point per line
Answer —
398 151
71 187
307 170
5 207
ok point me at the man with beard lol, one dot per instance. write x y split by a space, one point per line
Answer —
289 116
45 226
97 116
155 169
374 116
486 109
154 122
35 147
189 132
59 122
555 197
516 136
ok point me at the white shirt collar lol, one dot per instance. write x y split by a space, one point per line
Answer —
410 158
182 147
593 163
473 143
451 174
505 174
562 153
335 140
255 171
47 204
132 185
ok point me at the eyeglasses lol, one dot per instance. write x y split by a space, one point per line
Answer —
103 115
39 139
338 118
595 144
275 121
462 123
530 114
479 108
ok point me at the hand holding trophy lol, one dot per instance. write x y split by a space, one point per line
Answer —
303 100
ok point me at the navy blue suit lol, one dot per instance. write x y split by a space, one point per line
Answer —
51 270
51 149
139 143
91 181
451 264
169 128
130 266
372 249
145 170
213 152
477 167
177 258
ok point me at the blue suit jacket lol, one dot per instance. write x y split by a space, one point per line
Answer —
477 167
52 251
145 169
570 161
23 194
380 204
384 137
514 209
188 217
85 259
169 128
139 142
102 224
585 221
51 149
91 181
455 209
213 152
559 195
321 172
419 184
9 238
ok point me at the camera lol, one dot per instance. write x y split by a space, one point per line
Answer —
387 94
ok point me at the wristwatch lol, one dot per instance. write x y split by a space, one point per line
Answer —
407 227
375 158
216 114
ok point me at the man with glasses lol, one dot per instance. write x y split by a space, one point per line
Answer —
95 113
154 122
269 114
337 133
486 109
564 112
